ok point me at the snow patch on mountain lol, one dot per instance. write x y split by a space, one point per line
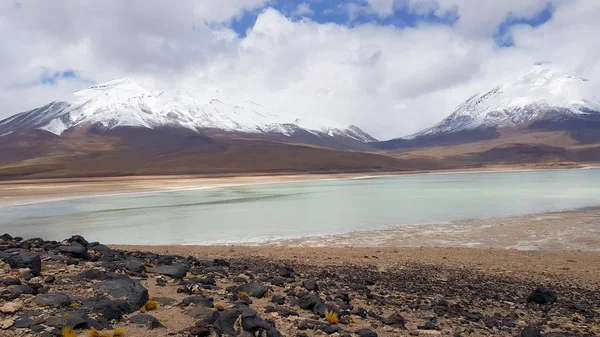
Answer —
124 103
544 88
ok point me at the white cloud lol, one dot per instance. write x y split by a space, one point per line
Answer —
303 9
387 80
474 17
382 7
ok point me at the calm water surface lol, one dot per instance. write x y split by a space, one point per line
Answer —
255 213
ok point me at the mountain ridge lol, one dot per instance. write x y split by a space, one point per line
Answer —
545 98
124 103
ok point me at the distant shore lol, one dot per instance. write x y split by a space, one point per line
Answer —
25 191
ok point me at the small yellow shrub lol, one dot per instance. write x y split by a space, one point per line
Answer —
193 277
96 333
243 293
150 305
68 332
332 317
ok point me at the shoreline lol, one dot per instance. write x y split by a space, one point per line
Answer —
565 230
32 191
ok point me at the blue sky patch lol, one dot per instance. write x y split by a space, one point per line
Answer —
503 36
342 12
356 12
51 79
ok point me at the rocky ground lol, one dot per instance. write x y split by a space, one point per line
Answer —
48 287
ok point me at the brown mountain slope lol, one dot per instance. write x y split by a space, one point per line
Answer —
169 151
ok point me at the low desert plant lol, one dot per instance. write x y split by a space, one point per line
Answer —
332 317
96 333
193 277
244 294
68 332
150 305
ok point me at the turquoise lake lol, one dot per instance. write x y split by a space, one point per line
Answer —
257 213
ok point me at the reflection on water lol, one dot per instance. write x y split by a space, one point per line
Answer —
260 212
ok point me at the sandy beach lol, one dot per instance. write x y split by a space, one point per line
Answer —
552 231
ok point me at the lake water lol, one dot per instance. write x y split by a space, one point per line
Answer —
256 213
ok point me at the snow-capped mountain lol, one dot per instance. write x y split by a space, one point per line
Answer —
546 94
124 103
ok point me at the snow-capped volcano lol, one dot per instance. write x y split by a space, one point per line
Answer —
545 94
124 103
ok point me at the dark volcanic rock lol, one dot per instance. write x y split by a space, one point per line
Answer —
255 289
132 265
224 325
123 287
309 301
322 307
542 296
149 321
204 316
282 311
93 274
285 271
17 258
74 249
201 331
366 333
79 239
11 281
72 261
19 290
278 299
27 275
197 301
165 300
23 323
52 300
395 320
73 320
310 285
531 331
177 271
252 322
107 308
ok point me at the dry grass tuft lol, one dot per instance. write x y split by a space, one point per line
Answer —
150 305
332 317
244 294
68 332
96 333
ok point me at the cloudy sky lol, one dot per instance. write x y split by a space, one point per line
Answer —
391 67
